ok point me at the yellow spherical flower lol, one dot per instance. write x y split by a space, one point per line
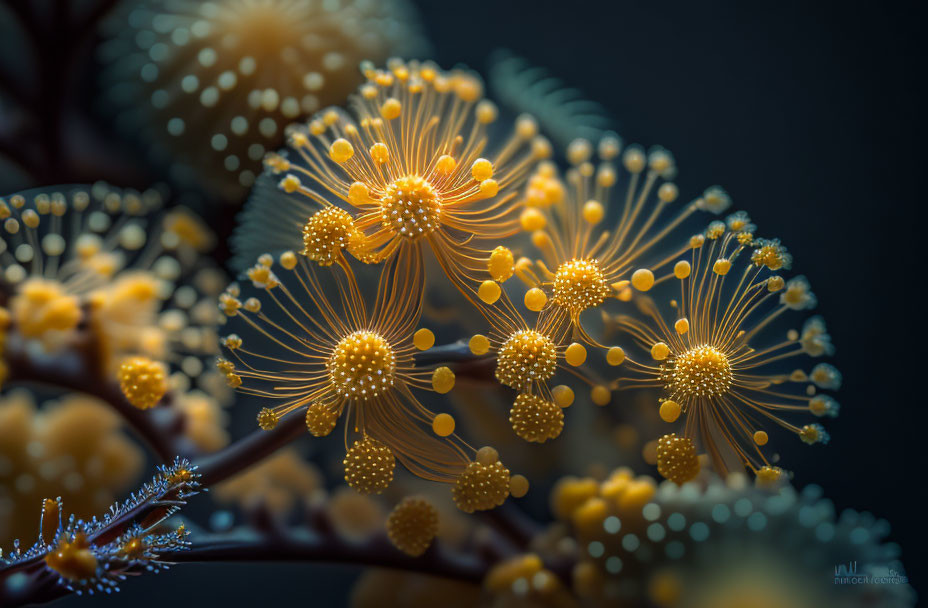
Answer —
711 359
210 87
143 381
413 163
320 419
483 485
677 459
528 356
536 419
412 525
369 466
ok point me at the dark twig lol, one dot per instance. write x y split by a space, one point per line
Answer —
302 545
249 450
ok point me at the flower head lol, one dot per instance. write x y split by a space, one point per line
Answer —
311 343
709 356
413 163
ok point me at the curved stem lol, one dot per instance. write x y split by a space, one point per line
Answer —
249 450
303 545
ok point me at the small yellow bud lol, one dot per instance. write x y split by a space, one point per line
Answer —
391 109
575 354
358 193
487 455
143 382
446 164
518 486
489 292
288 260
601 395
380 153
660 351
535 299
479 344
442 380
562 395
670 411
489 188
481 169
642 279
443 425
532 219
423 339
593 212
615 356
341 150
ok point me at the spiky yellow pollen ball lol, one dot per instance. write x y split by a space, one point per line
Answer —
320 419
703 371
143 381
677 459
412 525
535 419
524 357
362 366
267 419
326 233
481 486
369 466
410 207
580 284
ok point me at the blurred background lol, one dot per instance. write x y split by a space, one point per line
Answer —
807 113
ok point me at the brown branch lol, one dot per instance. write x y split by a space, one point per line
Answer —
248 450
303 545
